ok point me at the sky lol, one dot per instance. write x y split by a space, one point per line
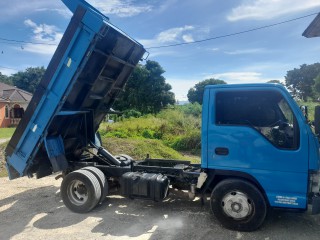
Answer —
251 57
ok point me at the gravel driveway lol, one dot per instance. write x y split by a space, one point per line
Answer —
32 209
3 140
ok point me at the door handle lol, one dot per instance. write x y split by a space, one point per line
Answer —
221 151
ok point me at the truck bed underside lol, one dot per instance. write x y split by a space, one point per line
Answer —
88 70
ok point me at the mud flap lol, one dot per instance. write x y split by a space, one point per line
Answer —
315 205
55 151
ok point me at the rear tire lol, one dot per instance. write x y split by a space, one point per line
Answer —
102 181
238 205
80 191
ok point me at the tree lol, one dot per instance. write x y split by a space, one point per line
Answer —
146 90
5 79
29 79
317 85
301 80
275 81
195 94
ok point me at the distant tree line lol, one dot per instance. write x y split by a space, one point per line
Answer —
303 83
148 92
145 92
195 94
26 80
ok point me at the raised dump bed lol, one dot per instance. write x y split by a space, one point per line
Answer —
88 70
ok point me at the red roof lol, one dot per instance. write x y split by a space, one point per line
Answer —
10 93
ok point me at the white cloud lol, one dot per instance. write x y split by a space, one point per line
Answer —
160 52
7 71
63 12
49 35
166 5
172 35
243 77
181 86
188 38
267 9
214 49
121 8
246 51
15 8
169 36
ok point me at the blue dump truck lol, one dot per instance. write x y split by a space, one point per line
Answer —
258 151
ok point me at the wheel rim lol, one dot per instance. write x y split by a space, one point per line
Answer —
237 205
77 192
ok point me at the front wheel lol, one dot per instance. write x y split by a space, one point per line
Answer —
238 205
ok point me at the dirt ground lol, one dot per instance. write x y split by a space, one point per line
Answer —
32 209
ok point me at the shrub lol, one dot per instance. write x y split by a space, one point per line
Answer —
194 109
131 113
177 128
147 133
120 133
189 142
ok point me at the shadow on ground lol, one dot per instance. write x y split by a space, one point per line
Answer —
175 218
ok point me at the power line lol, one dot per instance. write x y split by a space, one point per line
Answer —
8 68
12 41
233 34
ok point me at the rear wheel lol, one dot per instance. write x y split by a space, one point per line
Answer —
80 191
238 205
102 181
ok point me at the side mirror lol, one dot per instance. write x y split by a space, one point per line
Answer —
304 110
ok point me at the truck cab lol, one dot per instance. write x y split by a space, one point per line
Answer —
257 133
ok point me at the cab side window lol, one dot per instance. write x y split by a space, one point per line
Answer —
265 111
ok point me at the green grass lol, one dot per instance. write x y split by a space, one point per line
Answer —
172 134
311 106
177 128
139 148
3 171
6 132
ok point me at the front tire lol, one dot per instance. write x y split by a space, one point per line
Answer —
238 205
80 191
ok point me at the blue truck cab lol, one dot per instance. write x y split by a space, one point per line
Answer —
257 133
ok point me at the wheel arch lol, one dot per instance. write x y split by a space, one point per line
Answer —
220 175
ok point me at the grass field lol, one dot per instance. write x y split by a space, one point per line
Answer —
139 148
3 172
6 132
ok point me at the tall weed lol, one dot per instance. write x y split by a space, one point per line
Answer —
178 128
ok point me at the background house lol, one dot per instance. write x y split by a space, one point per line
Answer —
13 103
313 30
